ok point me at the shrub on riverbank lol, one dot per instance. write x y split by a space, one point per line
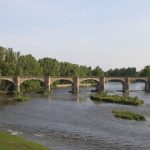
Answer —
20 98
126 100
13 99
12 142
129 115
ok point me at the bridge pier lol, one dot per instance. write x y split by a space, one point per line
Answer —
126 85
101 85
75 85
147 85
17 84
47 84
17 89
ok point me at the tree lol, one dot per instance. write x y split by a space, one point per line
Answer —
28 66
68 69
50 67
145 71
2 57
122 72
97 71
14 64
10 60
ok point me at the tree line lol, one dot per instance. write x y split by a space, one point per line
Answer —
13 63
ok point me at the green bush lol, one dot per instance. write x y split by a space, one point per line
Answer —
126 100
129 115
20 98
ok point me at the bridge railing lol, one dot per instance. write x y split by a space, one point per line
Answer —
74 76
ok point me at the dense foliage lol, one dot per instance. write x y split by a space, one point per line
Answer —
122 72
14 64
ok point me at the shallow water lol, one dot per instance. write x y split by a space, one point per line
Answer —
64 121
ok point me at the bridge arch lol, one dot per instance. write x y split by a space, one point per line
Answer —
138 80
68 83
7 79
7 85
89 79
26 85
115 80
96 83
61 79
139 84
29 79
118 87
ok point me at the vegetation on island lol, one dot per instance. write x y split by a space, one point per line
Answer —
125 100
13 63
13 142
129 115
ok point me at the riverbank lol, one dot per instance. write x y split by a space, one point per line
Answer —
20 98
13 142
13 99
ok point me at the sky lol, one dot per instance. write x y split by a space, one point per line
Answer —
105 33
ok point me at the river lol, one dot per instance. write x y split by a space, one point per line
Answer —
65 121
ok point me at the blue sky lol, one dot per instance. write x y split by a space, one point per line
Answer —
108 33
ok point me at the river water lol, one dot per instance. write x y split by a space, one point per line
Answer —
64 121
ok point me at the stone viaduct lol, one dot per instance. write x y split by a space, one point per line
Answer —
75 81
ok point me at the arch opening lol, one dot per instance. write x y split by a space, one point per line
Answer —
32 85
62 85
6 86
88 85
137 85
114 85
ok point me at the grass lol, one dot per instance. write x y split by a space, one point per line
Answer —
13 99
129 115
13 142
126 100
20 98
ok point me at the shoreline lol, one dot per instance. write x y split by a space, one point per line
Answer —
15 142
